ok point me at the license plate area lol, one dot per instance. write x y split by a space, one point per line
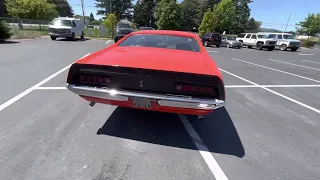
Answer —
142 102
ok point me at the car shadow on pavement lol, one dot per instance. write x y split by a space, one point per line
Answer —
216 130
9 42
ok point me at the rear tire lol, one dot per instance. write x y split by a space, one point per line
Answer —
294 49
249 47
218 45
115 40
53 38
259 46
283 47
82 35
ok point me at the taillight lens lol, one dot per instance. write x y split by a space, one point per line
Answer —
194 89
94 79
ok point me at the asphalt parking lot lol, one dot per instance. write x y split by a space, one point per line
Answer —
269 128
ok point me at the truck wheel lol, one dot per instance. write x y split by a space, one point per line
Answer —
294 49
115 40
73 37
249 47
82 35
218 45
53 38
283 47
270 48
259 46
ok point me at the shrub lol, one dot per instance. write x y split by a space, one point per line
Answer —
308 44
4 31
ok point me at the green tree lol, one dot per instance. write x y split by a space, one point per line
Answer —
91 17
63 7
4 31
144 13
121 8
207 24
32 9
110 23
168 15
223 14
252 25
242 14
310 26
192 13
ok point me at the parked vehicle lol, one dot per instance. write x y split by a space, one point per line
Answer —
230 42
211 39
155 70
122 29
259 41
66 27
145 28
284 41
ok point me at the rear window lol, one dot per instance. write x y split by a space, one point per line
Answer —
162 41
216 35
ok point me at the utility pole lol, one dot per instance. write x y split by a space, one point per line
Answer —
287 22
84 19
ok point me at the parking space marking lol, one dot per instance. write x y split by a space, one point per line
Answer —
273 92
24 93
50 88
294 64
302 54
276 70
311 61
205 153
108 41
212 51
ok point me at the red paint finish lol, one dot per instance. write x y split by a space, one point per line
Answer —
154 106
156 58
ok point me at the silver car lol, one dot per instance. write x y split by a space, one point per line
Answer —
230 42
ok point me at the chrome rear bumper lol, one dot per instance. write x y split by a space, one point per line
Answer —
162 100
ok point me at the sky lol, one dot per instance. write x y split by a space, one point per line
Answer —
272 13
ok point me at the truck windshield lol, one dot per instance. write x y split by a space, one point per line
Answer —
60 22
287 36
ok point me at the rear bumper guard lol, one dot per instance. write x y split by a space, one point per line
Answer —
162 100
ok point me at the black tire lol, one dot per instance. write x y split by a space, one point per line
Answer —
115 40
249 47
218 45
53 38
283 47
259 46
73 38
294 49
270 48
82 35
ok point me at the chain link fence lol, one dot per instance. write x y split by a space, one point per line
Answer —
29 28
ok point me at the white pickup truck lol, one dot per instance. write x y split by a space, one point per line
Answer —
284 41
259 41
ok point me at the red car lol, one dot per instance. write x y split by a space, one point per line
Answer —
158 70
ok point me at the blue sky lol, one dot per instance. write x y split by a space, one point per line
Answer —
272 13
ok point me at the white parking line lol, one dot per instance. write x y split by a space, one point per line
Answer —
301 54
19 96
226 86
108 41
273 92
206 155
277 70
212 51
311 61
294 64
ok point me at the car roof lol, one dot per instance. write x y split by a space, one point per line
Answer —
167 32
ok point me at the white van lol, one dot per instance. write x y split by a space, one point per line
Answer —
66 27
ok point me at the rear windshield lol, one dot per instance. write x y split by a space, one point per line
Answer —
60 22
162 41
